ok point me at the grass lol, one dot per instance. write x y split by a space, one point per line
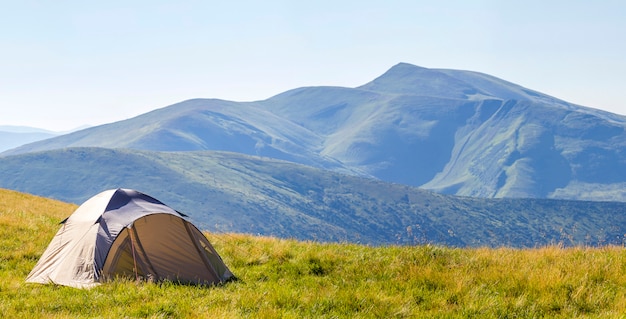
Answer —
281 278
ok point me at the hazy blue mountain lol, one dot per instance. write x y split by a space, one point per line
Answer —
225 191
24 129
14 136
455 132
466 133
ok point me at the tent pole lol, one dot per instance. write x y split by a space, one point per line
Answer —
132 248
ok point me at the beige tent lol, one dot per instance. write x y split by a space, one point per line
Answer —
123 232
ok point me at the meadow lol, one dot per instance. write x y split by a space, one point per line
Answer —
283 278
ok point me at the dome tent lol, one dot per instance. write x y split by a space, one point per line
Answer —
122 232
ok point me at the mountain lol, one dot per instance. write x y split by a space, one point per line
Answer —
231 192
466 133
451 131
24 129
203 125
14 136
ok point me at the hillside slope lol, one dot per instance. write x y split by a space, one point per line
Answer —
230 192
466 133
454 132
287 278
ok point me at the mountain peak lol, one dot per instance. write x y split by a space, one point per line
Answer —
408 79
406 66
405 78
402 70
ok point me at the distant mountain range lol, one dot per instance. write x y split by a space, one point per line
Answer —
14 136
360 164
454 132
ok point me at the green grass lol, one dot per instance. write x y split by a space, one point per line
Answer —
291 279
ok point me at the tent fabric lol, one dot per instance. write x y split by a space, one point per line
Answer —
122 232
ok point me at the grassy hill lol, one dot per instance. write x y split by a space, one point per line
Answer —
292 279
230 192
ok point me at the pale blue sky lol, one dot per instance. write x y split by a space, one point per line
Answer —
68 63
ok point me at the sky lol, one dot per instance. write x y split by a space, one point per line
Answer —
65 64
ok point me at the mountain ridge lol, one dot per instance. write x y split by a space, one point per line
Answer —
232 192
456 132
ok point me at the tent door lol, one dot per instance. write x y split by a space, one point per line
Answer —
127 258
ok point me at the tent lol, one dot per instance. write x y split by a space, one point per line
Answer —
122 232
